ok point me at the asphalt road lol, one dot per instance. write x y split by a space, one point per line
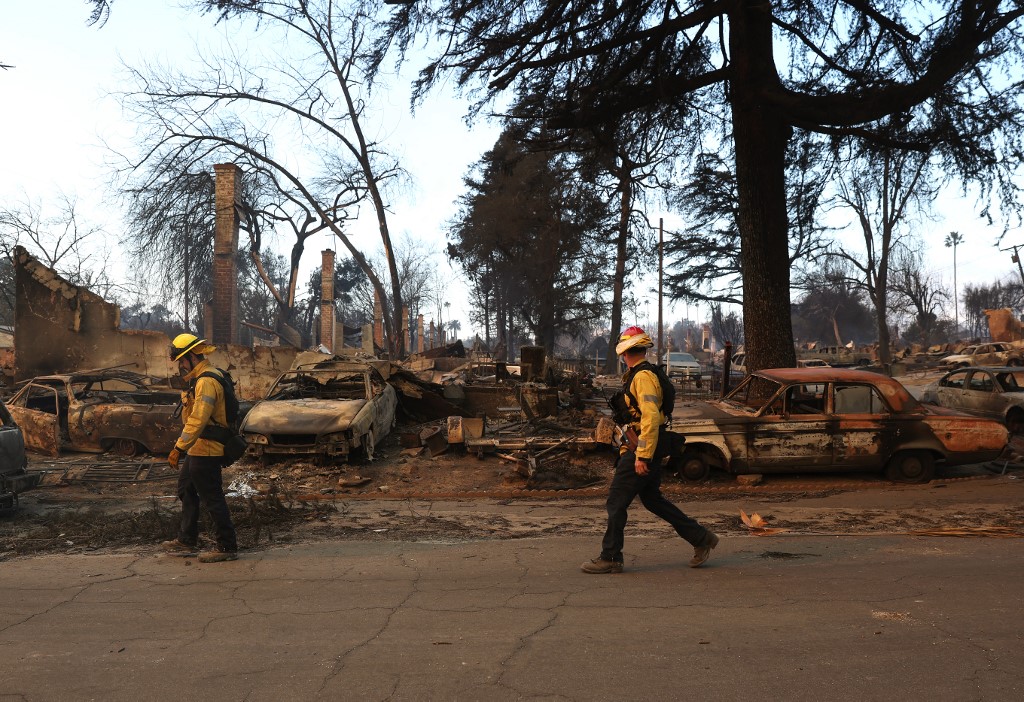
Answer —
860 616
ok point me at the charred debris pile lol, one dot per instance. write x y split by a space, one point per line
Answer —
540 418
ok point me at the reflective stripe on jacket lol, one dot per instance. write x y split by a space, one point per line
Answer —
201 405
646 388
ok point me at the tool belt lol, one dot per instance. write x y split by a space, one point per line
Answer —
670 443
233 442
215 432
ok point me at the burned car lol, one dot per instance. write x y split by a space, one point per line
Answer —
996 353
14 476
789 420
97 411
995 392
334 410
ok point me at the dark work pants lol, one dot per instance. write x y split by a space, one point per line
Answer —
626 485
199 483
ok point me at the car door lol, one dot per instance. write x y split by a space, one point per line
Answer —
980 395
36 410
987 354
863 421
793 431
951 389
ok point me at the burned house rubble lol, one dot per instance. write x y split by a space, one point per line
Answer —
100 389
80 384
525 414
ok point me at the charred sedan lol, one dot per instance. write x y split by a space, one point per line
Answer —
331 411
798 420
995 392
995 354
97 411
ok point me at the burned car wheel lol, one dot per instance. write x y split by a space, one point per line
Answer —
125 447
694 466
911 467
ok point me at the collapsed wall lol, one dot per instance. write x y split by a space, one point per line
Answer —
63 328
60 327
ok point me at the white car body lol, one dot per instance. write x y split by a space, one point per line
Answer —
679 364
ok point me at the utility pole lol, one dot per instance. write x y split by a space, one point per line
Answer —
954 239
1016 259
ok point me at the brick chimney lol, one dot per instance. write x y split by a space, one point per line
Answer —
406 331
420 341
224 323
378 321
327 300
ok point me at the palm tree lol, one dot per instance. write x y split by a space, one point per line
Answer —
954 239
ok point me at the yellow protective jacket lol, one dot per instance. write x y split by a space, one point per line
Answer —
647 416
201 404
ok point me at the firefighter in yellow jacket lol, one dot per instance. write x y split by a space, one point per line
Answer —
638 470
198 458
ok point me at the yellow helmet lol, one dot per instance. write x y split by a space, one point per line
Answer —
183 343
634 337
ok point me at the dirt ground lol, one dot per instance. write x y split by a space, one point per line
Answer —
89 503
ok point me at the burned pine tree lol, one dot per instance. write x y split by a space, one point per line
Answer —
531 235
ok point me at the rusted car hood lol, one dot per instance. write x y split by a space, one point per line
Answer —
302 416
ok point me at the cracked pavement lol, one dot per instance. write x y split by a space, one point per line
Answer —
799 616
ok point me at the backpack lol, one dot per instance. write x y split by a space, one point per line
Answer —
234 443
230 398
668 390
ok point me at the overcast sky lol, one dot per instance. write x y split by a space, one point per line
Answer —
57 115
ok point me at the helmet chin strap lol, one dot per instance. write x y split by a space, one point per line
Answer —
187 363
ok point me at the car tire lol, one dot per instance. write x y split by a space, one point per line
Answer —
125 447
694 466
911 467
1014 362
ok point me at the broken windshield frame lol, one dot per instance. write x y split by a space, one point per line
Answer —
753 393
321 385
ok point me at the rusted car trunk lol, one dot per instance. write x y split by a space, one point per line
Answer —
971 437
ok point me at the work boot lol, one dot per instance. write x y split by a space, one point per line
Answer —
701 553
216 556
177 548
600 566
